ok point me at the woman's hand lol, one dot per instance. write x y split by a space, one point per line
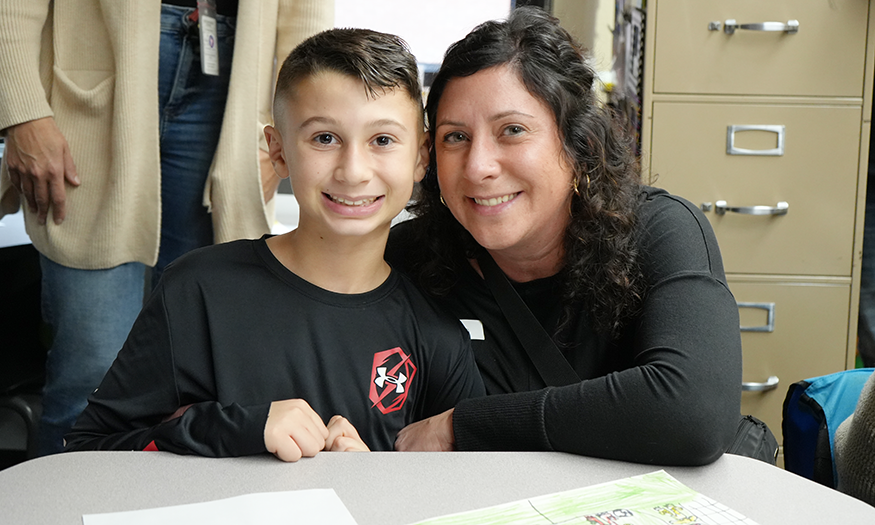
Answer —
294 430
40 166
343 437
434 434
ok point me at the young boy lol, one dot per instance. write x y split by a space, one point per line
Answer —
245 347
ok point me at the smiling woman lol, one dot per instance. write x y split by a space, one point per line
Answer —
499 148
531 175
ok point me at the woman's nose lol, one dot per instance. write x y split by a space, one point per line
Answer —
482 160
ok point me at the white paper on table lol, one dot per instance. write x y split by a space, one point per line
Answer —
316 506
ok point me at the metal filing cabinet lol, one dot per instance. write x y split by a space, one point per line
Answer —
759 113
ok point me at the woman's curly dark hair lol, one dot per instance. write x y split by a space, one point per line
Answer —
602 270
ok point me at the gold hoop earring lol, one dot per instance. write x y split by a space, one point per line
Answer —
576 185
443 201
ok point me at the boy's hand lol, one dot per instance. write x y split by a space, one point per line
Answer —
343 437
432 434
294 430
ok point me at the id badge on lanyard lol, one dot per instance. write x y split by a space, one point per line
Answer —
206 13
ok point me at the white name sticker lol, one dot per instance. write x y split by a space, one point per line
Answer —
475 329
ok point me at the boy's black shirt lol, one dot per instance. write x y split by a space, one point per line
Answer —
229 330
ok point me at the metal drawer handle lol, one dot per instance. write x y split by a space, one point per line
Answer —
729 27
774 152
770 384
721 207
770 317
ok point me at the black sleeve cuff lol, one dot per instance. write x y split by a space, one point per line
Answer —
502 422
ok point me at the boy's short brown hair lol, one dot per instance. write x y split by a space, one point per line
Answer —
380 60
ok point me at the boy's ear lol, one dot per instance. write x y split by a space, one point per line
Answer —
422 163
275 151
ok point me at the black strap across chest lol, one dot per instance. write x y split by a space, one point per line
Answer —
552 366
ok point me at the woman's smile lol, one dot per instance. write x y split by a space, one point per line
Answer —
494 201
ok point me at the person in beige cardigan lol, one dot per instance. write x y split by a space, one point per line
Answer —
855 448
79 112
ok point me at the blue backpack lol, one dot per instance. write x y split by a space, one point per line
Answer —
813 410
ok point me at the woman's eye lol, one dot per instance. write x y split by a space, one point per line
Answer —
325 139
383 140
455 136
513 130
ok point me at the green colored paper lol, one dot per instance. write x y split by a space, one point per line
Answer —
649 499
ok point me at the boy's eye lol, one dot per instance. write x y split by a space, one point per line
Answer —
454 136
383 140
325 139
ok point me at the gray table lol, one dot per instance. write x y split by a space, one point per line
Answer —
386 488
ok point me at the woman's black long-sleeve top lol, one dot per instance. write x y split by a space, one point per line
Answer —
667 391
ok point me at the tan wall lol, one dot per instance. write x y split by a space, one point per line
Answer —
590 21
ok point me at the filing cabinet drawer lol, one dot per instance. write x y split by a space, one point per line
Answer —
808 338
825 57
815 175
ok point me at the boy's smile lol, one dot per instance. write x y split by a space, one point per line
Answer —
354 206
352 159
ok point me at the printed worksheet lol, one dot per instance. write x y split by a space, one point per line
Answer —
649 499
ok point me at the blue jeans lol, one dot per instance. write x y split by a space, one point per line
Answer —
191 107
92 311
866 320
866 327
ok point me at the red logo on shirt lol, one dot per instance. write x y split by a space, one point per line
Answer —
391 377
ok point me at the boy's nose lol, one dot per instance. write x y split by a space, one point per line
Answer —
354 167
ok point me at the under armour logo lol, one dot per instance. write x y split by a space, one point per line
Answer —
391 378
382 379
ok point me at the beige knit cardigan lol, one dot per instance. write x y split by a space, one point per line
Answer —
855 448
93 66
